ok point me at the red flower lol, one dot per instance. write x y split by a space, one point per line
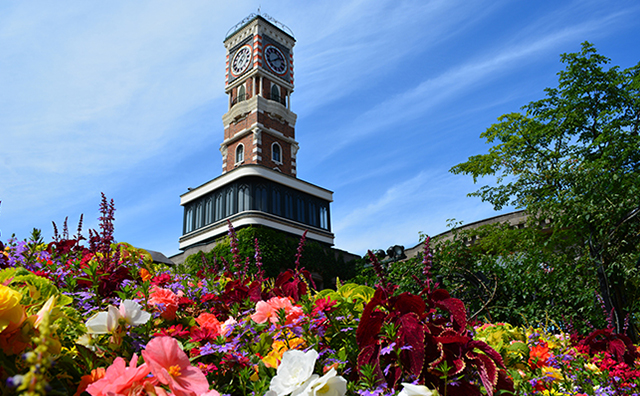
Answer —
161 280
324 305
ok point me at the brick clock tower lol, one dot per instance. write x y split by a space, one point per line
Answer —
259 184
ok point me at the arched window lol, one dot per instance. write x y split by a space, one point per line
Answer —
199 215
242 93
219 207
300 210
229 203
324 223
240 153
313 215
188 220
276 203
261 198
243 198
208 211
276 153
288 205
275 92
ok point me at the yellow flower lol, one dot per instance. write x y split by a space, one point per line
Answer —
551 373
592 367
278 348
11 311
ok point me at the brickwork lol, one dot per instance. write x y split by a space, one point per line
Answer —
285 155
247 141
240 125
277 125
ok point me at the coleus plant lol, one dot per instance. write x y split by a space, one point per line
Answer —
424 338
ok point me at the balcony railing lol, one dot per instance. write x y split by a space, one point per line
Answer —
241 98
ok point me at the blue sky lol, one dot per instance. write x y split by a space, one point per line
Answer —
126 98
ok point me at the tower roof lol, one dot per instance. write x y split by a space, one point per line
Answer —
268 19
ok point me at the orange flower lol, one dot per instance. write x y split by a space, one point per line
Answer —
209 322
538 355
145 275
165 300
89 379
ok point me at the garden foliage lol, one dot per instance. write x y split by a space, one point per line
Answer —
101 318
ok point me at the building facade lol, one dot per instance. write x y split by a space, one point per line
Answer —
259 184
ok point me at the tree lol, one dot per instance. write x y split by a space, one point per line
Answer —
574 157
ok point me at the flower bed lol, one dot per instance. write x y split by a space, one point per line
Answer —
100 317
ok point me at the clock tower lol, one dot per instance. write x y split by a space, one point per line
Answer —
259 185
259 127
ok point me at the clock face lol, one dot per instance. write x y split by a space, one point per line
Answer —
241 60
275 60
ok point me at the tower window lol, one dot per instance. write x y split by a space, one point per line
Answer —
275 92
229 203
242 93
188 220
276 202
324 219
243 198
276 153
261 198
239 154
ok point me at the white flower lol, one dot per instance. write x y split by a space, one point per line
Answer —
415 390
294 372
133 314
108 322
104 322
328 384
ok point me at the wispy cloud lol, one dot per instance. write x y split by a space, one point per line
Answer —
453 83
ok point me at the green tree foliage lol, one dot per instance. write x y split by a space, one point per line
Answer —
520 276
574 157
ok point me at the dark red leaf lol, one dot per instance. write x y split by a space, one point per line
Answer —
370 355
486 369
370 324
407 302
457 310
411 335
486 348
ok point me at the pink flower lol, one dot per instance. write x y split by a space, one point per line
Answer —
171 366
166 301
120 379
269 310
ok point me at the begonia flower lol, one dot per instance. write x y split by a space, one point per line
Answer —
104 322
329 384
129 312
86 380
166 301
294 372
268 310
133 314
11 311
120 379
171 366
209 321
414 390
